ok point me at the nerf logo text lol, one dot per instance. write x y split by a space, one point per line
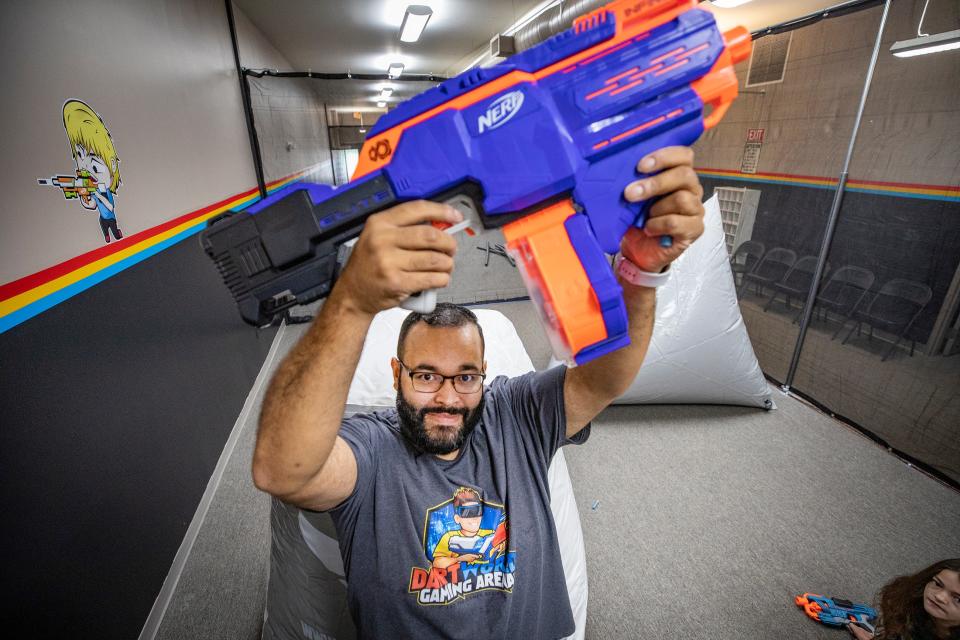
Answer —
500 111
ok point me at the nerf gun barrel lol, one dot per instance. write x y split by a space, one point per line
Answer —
836 611
541 145
78 186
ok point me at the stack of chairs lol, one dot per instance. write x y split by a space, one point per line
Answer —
846 292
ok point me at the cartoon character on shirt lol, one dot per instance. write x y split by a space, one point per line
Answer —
465 541
97 166
470 543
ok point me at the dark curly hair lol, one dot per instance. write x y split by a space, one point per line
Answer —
902 616
445 315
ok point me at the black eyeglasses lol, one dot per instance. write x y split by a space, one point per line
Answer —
431 381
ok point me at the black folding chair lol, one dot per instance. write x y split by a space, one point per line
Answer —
796 282
843 293
745 258
772 267
894 309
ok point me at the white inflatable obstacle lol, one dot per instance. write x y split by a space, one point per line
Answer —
700 352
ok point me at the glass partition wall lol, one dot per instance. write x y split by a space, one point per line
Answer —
881 345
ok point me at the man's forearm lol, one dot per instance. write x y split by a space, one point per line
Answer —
304 403
613 373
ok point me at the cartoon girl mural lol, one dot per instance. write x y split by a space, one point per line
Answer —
98 167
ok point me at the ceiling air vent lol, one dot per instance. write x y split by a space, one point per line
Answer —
769 59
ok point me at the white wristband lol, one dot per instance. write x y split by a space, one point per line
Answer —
636 276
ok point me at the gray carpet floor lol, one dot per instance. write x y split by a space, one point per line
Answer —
708 521
711 519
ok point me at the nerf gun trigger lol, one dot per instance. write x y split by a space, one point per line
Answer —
471 218
426 301
862 623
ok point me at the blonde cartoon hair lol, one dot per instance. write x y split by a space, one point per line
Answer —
85 127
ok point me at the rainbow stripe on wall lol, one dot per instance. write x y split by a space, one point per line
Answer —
899 189
31 295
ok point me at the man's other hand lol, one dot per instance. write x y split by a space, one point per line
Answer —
678 213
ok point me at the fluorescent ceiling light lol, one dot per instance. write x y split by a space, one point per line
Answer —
728 4
381 104
927 44
396 68
414 22
386 92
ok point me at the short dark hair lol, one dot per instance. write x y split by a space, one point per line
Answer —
464 495
445 315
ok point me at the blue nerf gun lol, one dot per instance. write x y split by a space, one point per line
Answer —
541 145
836 611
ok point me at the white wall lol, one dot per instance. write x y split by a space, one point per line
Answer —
288 113
160 73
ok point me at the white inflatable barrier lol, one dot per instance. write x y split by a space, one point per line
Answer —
700 352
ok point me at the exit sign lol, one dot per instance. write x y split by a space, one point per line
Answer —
755 135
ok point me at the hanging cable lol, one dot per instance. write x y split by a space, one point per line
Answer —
920 26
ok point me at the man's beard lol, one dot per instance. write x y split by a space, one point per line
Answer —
414 430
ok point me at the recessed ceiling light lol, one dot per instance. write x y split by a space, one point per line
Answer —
381 104
414 22
396 68
386 92
926 44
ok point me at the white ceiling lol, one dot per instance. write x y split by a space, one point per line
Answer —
758 14
361 36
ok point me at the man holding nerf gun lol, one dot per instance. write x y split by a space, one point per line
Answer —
541 145
380 474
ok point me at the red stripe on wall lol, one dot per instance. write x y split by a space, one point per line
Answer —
26 283
795 176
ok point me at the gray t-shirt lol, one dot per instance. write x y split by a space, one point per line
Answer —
408 510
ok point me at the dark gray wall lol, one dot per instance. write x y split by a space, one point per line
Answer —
895 237
116 405
117 402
